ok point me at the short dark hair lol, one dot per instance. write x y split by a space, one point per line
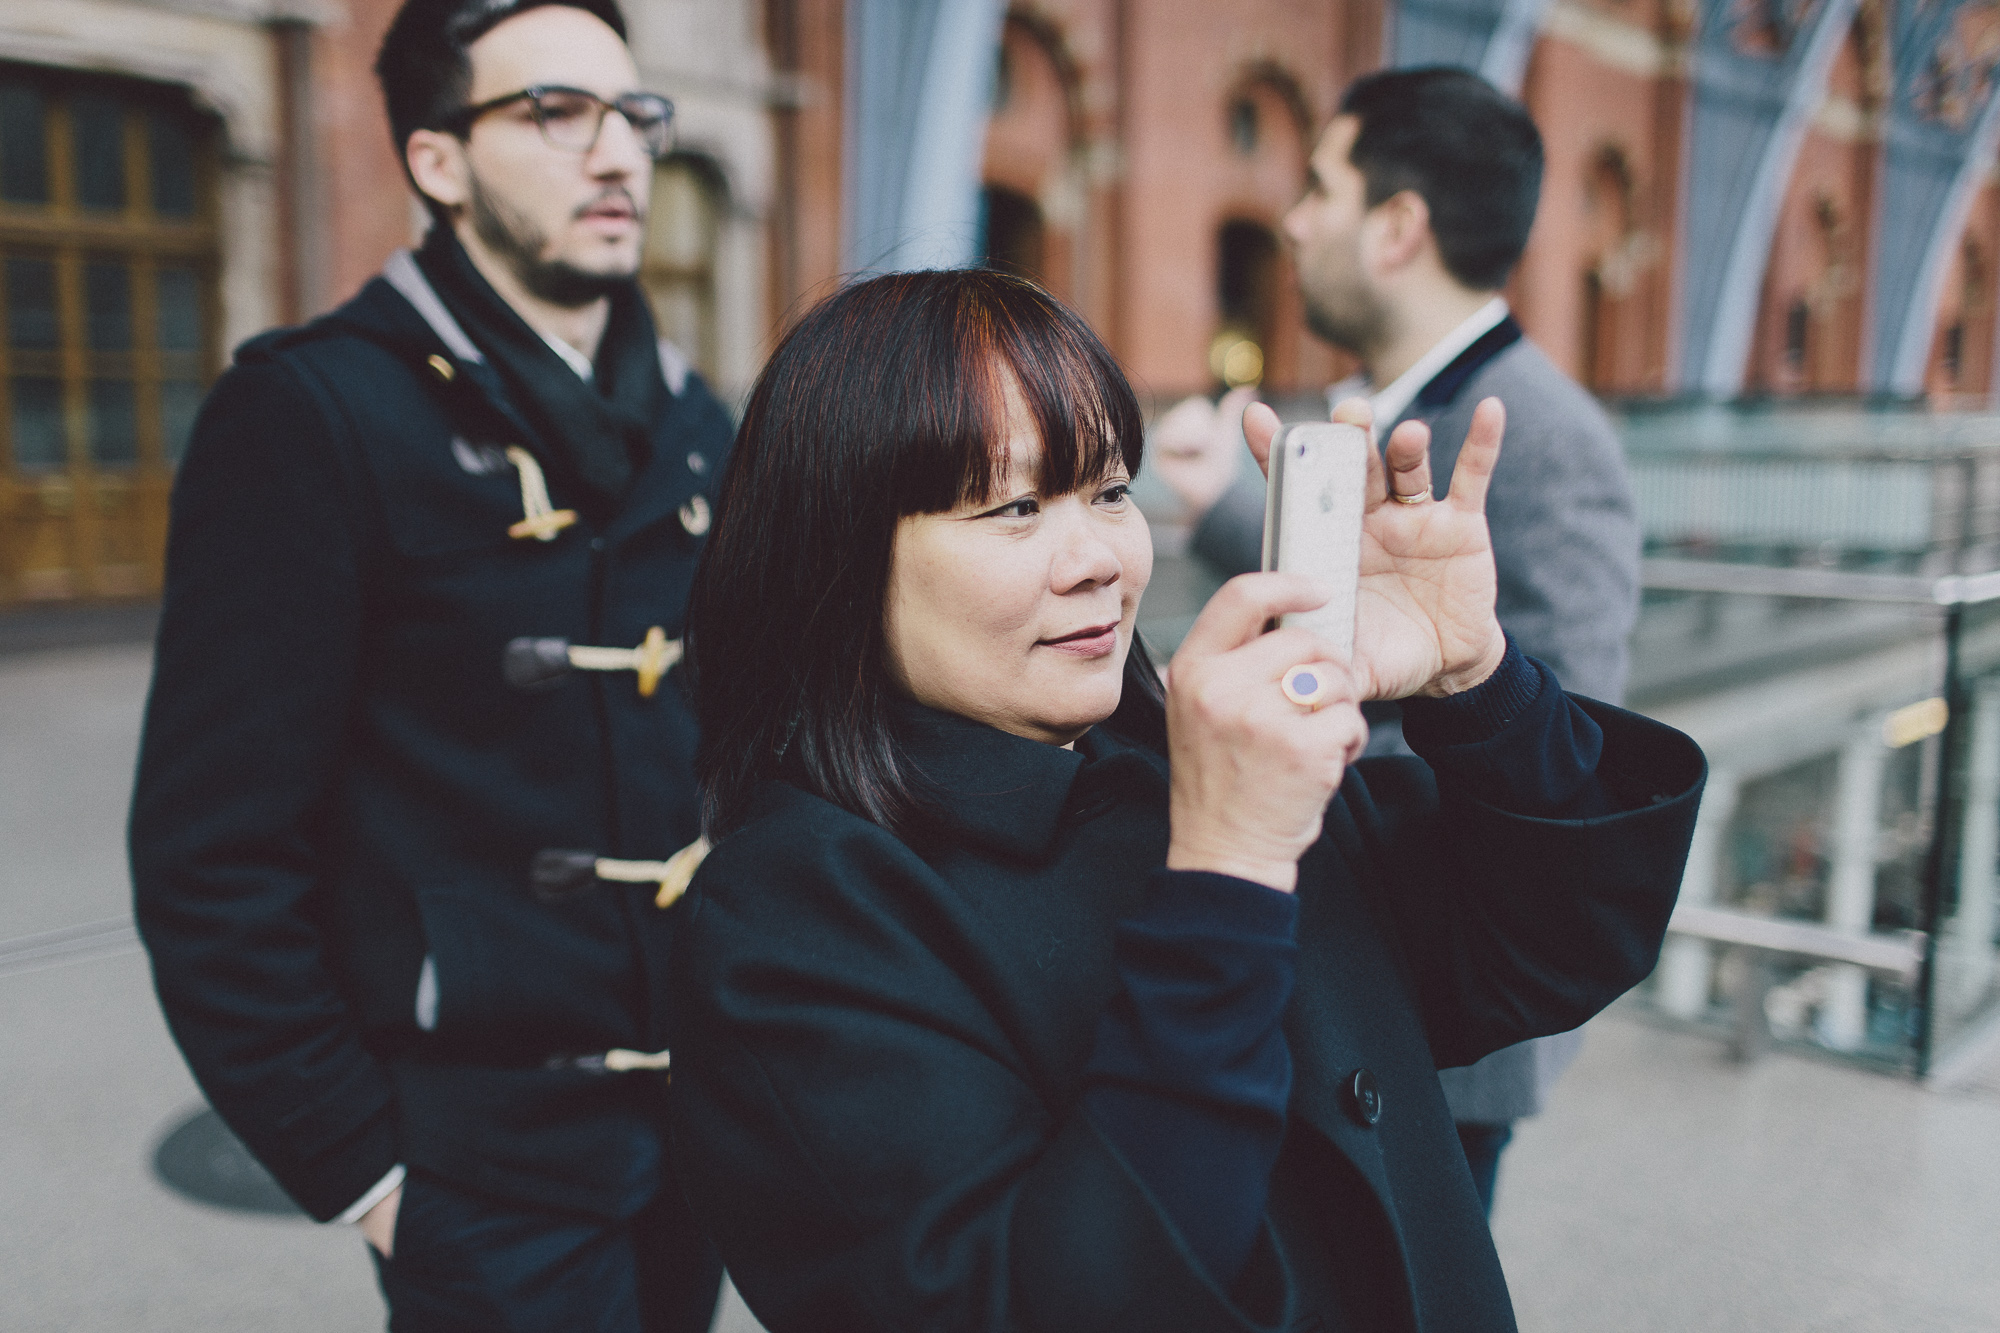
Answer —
1470 150
884 400
423 67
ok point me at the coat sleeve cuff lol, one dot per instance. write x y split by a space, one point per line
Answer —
1480 713
1516 741
384 1187
329 1183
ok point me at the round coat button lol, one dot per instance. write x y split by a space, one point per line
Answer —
1364 1097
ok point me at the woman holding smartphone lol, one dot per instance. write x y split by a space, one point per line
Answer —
1022 993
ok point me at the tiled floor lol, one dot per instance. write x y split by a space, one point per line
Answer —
1664 1191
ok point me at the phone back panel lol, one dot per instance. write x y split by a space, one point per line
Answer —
1312 519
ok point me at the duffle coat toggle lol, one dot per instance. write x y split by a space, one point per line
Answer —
557 875
615 1061
540 519
539 664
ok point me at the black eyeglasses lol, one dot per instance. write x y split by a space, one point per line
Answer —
571 119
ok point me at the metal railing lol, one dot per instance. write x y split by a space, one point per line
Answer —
1823 614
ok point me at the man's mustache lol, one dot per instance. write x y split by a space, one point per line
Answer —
609 194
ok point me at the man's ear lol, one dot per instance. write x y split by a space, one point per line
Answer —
1399 232
438 166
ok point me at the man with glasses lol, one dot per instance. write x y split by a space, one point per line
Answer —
416 767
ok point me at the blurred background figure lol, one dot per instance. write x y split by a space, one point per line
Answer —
1418 203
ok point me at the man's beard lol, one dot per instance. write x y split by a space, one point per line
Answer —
518 242
1349 317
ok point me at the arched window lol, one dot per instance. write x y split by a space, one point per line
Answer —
1615 268
1246 268
678 273
108 258
1031 159
1263 121
1011 232
1798 335
1961 347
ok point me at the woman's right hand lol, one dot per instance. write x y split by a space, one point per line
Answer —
1253 771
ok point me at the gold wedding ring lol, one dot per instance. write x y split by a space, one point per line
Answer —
1305 686
1416 499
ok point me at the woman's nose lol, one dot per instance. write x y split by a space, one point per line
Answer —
1086 559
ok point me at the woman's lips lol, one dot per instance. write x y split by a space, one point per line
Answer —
1096 641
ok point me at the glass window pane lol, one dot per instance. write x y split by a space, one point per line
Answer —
24 152
114 434
171 148
180 310
97 134
38 424
107 303
31 303
180 400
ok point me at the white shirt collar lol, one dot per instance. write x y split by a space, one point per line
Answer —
1390 403
580 363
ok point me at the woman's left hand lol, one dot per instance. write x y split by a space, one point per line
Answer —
1424 618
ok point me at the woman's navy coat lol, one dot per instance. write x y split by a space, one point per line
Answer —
877 1102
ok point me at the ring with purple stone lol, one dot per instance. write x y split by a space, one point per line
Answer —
1305 686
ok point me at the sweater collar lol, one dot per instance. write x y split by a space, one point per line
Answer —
1011 795
998 790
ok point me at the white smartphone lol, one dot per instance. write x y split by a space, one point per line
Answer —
1312 518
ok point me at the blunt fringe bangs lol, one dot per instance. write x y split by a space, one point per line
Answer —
885 400
1470 150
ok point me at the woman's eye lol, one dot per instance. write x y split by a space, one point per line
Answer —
1025 507
1118 492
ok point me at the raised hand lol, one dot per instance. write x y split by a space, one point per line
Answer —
1195 447
1424 621
1252 769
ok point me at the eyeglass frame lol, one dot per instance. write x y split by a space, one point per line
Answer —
460 122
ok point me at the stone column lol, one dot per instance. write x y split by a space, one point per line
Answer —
1967 947
1686 965
1850 888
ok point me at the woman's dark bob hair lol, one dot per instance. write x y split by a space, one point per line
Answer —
885 400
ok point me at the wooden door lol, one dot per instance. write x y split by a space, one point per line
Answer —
107 326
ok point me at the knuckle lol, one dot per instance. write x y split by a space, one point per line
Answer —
1213 699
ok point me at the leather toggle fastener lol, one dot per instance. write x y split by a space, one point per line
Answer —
538 664
539 519
557 875
618 1060
695 516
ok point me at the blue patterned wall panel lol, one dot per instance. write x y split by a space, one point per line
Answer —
1942 125
1491 36
1760 70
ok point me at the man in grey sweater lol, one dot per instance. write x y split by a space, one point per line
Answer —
1418 204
